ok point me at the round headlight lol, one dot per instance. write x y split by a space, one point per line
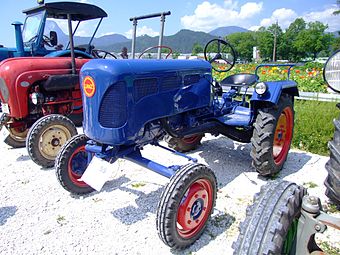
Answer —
260 88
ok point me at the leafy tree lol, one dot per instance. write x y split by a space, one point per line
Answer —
196 49
264 41
313 39
287 44
338 11
243 44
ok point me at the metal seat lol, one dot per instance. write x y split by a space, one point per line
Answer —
239 80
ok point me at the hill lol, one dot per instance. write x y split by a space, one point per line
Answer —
182 41
224 31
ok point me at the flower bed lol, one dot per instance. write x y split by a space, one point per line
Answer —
308 77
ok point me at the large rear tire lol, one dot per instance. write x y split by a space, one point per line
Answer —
186 205
332 181
272 136
47 136
271 223
70 165
184 144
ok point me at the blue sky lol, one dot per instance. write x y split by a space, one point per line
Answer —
193 14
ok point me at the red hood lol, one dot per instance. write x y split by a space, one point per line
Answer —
17 75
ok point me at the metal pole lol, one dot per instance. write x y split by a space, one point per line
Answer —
73 60
274 48
133 50
160 43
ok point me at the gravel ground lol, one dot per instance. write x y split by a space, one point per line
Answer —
37 216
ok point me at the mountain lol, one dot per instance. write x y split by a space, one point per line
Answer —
182 41
224 31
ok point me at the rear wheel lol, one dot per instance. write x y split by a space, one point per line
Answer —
47 136
272 136
71 163
184 144
332 181
186 205
271 223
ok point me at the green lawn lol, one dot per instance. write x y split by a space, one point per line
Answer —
314 125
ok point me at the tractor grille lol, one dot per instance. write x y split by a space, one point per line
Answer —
191 79
144 87
113 108
171 82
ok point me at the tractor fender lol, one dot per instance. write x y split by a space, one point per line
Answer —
67 53
274 91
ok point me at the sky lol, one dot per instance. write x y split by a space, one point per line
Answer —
196 15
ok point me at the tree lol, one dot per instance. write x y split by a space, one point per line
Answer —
287 45
265 41
313 39
243 44
338 11
196 49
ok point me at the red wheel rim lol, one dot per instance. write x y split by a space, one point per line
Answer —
74 162
283 136
191 139
195 208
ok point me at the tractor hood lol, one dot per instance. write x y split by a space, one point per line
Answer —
121 96
17 75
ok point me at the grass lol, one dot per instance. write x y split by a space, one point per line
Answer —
314 125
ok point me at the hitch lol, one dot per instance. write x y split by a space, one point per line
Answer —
312 220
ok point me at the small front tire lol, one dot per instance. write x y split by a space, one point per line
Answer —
71 163
186 205
47 136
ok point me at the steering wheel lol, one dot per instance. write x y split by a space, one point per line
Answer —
220 54
156 47
46 40
102 54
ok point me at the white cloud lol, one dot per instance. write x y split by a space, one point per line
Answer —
254 28
286 16
209 16
283 16
144 30
326 16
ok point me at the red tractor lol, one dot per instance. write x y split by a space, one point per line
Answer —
46 88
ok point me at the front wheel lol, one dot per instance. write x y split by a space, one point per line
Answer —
71 163
15 141
186 205
272 220
272 136
47 136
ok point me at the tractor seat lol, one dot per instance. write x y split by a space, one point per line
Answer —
239 80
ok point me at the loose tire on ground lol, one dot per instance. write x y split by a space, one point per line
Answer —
272 136
271 223
332 181
186 205
46 137
70 165
184 144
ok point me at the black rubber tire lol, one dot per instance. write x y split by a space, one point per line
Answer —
184 144
269 218
61 166
263 137
35 133
332 181
172 199
13 142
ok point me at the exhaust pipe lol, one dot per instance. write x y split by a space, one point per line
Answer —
18 38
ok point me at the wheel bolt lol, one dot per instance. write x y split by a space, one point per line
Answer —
317 228
189 221
197 221
188 209
204 196
196 196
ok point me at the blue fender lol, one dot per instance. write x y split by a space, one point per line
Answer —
274 90
62 53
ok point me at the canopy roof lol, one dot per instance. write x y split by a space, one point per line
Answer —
78 11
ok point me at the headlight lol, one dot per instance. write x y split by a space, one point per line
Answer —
260 88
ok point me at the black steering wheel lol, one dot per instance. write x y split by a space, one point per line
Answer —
220 54
102 54
156 47
46 40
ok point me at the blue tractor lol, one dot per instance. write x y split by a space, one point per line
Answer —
42 33
132 103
